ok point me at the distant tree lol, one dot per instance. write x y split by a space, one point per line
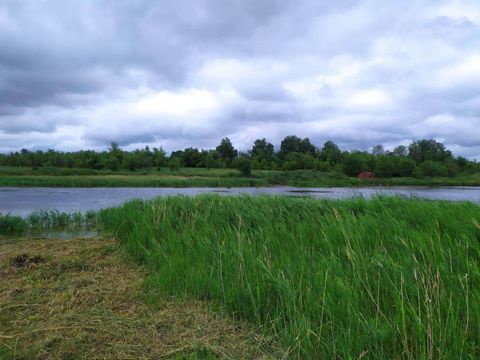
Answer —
461 162
263 150
431 168
403 166
174 163
428 150
297 161
378 150
292 143
289 145
213 160
226 150
330 152
384 166
191 157
306 147
244 165
400 150
113 159
159 158
354 163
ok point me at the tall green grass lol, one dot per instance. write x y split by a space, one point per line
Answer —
45 220
12 225
386 278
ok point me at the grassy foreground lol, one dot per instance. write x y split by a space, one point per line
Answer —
387 278
200 177
81 299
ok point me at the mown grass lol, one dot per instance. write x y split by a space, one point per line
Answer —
83 299
386 278
200 177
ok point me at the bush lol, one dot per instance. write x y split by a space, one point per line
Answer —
174 164
298 161
384 166
431 169
354 164
404 167
244 165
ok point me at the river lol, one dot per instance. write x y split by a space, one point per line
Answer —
23 201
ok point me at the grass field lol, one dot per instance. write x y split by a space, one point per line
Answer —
387 278
83 299
199 177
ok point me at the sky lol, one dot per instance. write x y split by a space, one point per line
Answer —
180 73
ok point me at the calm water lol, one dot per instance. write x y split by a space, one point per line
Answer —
22 201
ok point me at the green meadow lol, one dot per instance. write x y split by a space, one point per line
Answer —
201 177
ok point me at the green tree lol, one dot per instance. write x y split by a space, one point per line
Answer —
226 150
213 160
306 147
331 153
378 150
174 164
428 150
401 151
431 168
354 163
114 158
292 143
263 150
289 145
298 161
384 166
403 166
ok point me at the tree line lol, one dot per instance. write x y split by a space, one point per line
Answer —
426 157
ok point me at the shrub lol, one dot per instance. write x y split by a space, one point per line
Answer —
430 169
244 165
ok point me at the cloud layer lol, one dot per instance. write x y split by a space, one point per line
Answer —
78 74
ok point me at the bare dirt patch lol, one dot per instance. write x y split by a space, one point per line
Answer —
81 299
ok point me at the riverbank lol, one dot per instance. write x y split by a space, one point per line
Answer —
192 177
83 298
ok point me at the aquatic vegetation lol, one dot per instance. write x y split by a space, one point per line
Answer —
44 220
54 219
12 225
381 279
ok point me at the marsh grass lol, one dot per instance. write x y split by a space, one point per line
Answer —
47 220
12 225
385 278
201 177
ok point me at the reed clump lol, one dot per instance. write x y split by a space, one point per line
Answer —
385 278
12 225
46 220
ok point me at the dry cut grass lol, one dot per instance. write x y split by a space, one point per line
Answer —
80 299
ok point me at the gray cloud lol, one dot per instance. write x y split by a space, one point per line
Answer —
186 73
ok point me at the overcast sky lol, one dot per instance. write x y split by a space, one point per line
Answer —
79 74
